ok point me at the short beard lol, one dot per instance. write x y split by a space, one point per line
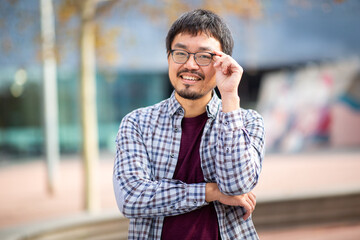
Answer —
187 94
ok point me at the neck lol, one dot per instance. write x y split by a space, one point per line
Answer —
193 108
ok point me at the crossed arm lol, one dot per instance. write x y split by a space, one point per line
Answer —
140 194
247 200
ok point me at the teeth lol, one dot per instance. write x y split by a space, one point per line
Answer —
190 78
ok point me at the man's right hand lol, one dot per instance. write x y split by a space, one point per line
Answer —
247 201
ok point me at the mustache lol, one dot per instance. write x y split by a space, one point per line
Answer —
199 74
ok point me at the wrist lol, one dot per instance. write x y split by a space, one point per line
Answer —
230 102
211 192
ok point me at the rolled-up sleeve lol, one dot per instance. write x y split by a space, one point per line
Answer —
240 151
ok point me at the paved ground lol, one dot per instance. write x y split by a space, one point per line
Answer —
309 175
24 199
349 231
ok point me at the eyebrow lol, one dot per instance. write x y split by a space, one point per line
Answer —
180 45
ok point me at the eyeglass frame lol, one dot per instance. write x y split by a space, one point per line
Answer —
172 55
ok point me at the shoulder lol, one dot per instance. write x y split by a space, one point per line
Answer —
146 114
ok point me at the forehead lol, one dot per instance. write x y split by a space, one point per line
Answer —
198 42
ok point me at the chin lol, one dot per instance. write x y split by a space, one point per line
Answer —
190 95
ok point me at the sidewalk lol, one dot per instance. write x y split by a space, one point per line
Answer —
309 176
24 200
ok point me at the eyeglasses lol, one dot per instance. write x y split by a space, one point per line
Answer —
201 58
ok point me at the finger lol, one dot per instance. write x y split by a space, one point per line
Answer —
219 53
252 197
218 58
248 210
226 67
217 61
246 215
251 204
223 64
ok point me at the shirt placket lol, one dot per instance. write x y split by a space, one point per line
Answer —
175 141
205 145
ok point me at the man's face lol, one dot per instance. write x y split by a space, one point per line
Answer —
190 80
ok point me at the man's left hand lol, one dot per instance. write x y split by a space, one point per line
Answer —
228 76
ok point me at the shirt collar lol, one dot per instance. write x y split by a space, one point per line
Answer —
212 107
174 105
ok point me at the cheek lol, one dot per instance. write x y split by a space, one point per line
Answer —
172 72
211 75
173 67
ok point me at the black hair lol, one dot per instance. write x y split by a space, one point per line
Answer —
202 21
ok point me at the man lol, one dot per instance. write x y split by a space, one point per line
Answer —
185 167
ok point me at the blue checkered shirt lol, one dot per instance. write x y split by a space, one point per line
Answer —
148 143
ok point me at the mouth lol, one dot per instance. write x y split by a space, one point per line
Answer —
190 78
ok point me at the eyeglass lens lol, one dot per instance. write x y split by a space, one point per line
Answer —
201 58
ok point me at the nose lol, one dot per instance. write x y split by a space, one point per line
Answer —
191 63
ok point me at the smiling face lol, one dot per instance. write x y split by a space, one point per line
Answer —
190 80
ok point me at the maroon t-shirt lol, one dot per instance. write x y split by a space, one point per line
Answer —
201 223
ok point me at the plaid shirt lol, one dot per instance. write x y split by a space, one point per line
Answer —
148 142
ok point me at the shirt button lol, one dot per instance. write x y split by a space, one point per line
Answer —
172 155
180 111
195 202
176 129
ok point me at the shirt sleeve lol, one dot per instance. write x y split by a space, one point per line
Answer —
240 151
137 192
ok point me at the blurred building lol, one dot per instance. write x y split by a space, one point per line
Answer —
21 131
313 107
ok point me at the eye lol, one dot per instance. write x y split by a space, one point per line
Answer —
203 56
180 53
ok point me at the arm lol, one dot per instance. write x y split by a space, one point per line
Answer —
137 192
247 201
241 136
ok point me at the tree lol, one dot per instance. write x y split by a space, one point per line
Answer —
88 10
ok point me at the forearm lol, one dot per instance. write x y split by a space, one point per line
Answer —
239 158
247 201
167 197
140 193
211 192
238 177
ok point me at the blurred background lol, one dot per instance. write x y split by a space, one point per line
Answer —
70 70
